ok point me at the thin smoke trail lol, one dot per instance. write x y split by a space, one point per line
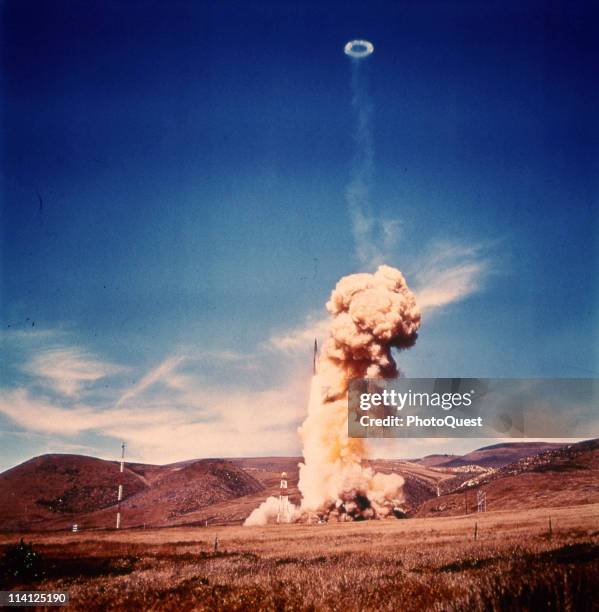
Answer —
365 227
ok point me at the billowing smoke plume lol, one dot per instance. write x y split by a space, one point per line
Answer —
267 512
371 314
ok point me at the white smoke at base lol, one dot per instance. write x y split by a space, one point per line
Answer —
371 314
268 511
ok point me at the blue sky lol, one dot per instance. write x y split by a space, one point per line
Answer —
174 211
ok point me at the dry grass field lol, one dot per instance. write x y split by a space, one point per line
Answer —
414 564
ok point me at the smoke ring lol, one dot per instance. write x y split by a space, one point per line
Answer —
358 48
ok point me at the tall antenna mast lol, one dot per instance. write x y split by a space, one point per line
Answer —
120 494
315 357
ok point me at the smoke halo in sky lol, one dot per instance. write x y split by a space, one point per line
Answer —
358 48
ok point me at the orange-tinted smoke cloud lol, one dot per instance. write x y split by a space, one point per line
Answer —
371 314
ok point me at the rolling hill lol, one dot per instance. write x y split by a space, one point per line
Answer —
498 455
434 460
562 476
54 491
52 486
494 456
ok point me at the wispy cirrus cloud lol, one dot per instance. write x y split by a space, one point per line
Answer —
192 419
157 374
41 415
168 372
449 273
67 370
217 421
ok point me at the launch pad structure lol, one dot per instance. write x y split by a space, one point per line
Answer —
283 512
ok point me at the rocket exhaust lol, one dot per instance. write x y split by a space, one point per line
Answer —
370 315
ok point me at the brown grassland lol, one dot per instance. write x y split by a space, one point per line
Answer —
516 562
